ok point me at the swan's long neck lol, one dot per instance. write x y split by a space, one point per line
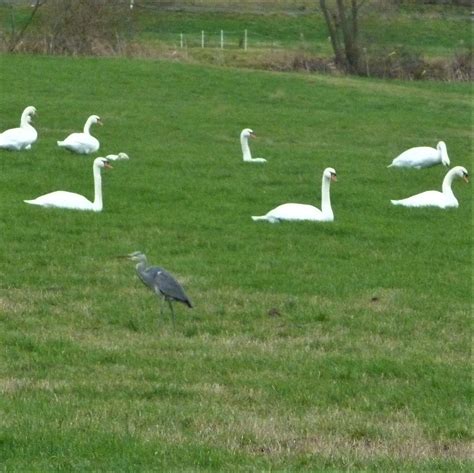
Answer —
87 126
326 198
447 181
97 205
25 119
244 141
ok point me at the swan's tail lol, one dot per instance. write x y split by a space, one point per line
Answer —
33 202
265 217
396 202
61 143
390 165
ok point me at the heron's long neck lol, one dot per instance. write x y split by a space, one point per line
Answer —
326 198
141 266
87 126
447 181
244 141
97 205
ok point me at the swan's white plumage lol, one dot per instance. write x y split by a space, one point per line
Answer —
245 135
422 157
444 199
304 211
16 139
83 143
70 200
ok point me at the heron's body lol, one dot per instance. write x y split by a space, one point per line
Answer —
16 139
160 281
82 143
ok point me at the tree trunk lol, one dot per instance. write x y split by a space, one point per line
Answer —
342 25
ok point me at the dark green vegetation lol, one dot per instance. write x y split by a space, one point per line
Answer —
435 34
404 42
318 347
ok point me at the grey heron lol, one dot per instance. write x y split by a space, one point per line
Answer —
160 281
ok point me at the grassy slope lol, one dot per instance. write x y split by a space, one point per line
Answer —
367 365
433 32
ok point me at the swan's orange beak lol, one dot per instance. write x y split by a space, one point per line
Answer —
333 177
108 166
99 122
466 178
253 135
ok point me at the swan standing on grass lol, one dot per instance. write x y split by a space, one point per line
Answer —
444 199
422 157
23 137
70 200
244 141
83 143
304 211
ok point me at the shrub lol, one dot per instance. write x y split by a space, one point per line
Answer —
86 27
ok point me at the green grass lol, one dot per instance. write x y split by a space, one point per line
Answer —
364 366
435 32
434 35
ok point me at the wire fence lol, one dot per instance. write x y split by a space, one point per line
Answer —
220 39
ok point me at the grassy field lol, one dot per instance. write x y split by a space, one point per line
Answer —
312 347
436 35
434 32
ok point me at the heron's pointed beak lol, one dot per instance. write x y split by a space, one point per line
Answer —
122 257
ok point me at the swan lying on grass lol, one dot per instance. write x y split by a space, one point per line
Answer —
83 143
16 139
443 199
244 141
71 200
305 211
422 157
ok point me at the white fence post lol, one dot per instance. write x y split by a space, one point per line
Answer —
245 40
222 39
181 40
202 39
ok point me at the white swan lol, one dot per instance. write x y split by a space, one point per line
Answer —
304 211
422 157
244 141
70 200
16 139
442 199
83 143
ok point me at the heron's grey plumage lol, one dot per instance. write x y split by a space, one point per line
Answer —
160 281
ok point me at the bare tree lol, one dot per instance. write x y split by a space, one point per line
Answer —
16 38
86 26
343 25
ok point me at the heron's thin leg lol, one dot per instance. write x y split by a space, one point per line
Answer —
161 307
172 313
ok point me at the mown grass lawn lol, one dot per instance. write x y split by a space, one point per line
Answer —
318 347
